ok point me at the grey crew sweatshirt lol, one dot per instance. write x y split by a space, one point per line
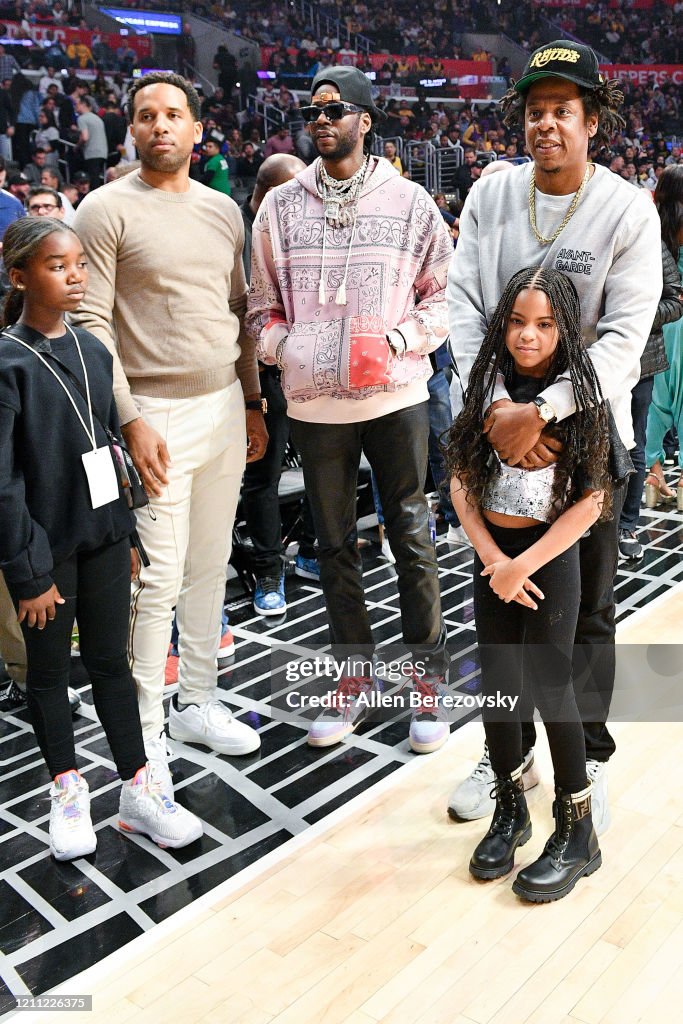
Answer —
610 250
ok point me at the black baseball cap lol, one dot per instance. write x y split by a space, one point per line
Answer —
562 58
353 87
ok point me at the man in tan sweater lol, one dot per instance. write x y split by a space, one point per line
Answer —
167 296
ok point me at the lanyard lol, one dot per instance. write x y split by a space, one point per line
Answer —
38 355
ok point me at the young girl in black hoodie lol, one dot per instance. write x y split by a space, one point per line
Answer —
65 534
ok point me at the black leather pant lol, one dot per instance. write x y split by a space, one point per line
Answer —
396 448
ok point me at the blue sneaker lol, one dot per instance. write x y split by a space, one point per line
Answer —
269 598
308 568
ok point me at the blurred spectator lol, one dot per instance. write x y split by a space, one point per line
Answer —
93 139
6 123
280 142
466 175
34 169
8 65
249 161
392 156
215 170
72 194
51 179
115 128
50 78
18 185
226 66
26 104
11 209
44 202
82 185
80 56
187 53
47 136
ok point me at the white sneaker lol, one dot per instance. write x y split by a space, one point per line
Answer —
456 535
71 831
144 808
158 753
212 725
597 776
473 798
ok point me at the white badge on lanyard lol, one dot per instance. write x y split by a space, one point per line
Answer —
98 464
102 479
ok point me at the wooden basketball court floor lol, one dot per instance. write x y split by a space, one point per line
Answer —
371 915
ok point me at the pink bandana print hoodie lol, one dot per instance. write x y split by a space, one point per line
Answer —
394 270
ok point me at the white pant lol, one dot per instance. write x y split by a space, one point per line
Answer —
188 544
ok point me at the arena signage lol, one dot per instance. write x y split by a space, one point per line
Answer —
644 74
42 34
146 21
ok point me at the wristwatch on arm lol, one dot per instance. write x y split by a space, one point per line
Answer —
545 410
261 404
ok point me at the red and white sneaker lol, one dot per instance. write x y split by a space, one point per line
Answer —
226 647
429 727
350 705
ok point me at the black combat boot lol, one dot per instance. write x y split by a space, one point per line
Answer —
571 852
510 828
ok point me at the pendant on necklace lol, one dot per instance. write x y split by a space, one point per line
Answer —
332 208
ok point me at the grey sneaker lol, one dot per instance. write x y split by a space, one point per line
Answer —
473 798
597 776
629 545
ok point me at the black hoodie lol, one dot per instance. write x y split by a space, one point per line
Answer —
46 515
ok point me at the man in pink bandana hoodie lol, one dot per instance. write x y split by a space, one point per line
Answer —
349 268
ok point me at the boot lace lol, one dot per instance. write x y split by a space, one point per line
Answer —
558 842
504 792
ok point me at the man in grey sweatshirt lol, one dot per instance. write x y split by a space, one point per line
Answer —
564 212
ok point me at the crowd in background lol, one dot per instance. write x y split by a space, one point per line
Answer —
43 139
636 36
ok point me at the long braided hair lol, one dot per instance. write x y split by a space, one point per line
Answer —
603 101
583 462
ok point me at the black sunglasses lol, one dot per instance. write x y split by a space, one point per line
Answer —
332 111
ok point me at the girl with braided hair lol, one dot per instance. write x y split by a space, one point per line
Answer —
525 527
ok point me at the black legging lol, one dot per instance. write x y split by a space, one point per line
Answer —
96 589
518 645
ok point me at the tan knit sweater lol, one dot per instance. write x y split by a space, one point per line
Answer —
167 292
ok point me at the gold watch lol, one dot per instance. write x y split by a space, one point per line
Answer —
545 410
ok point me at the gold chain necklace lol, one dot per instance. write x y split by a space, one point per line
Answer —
568 215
